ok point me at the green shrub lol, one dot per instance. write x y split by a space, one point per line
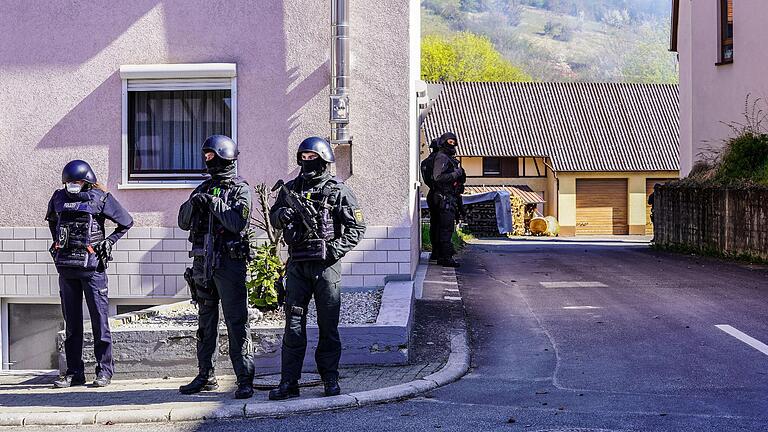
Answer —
263 272
745 158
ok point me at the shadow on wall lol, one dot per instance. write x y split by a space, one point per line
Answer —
269 97
63 33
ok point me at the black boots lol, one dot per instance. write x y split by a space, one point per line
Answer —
66 381
332 387
286 390
244 390
204 381
448 262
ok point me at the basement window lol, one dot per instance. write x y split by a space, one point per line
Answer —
168 111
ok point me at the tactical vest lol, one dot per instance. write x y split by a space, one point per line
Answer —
77 230
311 246
236 245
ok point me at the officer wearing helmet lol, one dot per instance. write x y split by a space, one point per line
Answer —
313 267
81 251
449 178
217 215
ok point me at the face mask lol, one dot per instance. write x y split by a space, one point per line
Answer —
312 168
74 188
451 150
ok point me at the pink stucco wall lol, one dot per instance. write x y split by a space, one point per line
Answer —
61 100
711 95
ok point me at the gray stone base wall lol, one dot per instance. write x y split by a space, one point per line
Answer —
149 262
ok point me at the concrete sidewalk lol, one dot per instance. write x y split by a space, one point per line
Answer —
29 399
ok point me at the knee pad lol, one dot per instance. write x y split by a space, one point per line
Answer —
293 311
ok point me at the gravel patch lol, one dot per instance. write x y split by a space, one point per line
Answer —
356 308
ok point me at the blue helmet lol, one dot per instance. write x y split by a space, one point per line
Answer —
316 145
77 170
222 145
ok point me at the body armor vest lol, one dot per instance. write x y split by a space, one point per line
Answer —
77 230
234 244
311 246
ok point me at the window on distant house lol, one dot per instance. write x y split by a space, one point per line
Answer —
168 111
500 167
491 167
726 31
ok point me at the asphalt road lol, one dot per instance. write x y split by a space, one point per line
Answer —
588 337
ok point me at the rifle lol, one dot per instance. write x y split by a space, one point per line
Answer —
309 245
206 252
307 214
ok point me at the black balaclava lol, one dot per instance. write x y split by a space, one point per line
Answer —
443 143
220 168
311 169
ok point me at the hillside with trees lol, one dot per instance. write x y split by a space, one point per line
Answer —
561 40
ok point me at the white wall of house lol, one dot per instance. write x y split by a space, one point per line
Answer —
711 94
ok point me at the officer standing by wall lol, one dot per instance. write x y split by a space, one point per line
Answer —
81 251
427 167
217 214
449 178
321 221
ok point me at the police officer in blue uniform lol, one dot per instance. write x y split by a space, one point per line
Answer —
314 267
81 251
217 215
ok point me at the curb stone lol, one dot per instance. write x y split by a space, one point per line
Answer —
456 367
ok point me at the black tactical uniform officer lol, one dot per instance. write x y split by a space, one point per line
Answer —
336 226
427 166
217 214
81 251
449 178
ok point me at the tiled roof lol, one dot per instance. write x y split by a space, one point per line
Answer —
580 126
523 191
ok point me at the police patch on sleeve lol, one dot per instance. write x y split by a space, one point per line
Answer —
358 215
246 212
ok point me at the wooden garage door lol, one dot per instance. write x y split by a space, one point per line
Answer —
649 184
601 206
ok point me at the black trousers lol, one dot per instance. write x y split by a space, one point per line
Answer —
445 217
73 286
434 218
229 283
303 281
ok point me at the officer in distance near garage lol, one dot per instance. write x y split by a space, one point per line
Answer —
81 251
321 222
217 214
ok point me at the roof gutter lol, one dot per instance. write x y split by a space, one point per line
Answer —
675 25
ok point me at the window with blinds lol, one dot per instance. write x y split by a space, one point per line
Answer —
726 31
168 112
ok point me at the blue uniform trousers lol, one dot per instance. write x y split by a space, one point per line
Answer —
72 287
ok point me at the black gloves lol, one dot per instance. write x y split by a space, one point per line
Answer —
52 250
103 251
201 200
285 215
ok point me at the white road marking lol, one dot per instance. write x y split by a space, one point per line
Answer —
747 339
575 284
581 307
440 282
452 298
452 289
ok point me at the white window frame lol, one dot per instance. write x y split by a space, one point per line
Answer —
188 76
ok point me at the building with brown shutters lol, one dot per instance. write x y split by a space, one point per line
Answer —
592 151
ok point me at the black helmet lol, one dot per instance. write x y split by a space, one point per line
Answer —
222 145
77 170
316 145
